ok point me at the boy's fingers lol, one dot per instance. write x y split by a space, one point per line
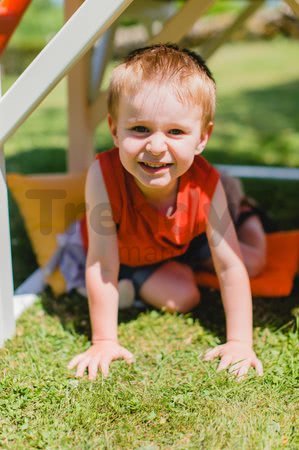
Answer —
235 366
75 361
128 356
258 367
240 374
82 366
224 363
211 354
93 369
104 365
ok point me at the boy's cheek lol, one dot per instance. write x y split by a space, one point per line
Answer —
130 145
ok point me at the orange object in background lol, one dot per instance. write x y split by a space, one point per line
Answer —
11 12
282 265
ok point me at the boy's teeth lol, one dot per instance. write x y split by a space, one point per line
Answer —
155 164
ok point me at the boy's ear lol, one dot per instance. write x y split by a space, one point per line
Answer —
113 129
205 136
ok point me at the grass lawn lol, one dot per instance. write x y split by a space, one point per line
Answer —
169 399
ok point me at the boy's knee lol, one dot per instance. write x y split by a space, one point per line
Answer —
186 295
174 288
185 300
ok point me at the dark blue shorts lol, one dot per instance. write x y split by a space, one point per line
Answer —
197 251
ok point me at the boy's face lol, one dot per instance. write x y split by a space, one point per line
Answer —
158 137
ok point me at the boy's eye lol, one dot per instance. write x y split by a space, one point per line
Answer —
176 131
140 129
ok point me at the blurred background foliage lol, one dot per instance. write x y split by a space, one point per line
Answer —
44 18
40 23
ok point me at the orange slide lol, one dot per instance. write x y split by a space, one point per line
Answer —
11 12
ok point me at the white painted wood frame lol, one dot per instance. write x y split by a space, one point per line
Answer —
83 83
260 172
7 323
80 136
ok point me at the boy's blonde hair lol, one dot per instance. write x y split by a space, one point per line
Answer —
183 69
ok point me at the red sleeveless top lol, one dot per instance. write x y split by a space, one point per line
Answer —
145 235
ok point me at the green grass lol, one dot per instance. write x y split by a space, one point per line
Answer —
258 116
169 399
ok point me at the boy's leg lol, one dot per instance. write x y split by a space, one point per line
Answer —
126 293
172 287
253 245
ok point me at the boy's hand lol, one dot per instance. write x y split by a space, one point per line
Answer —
99 356
238 355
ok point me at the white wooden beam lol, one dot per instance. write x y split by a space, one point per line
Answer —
261 172
179 24
83 29
80 146
7 321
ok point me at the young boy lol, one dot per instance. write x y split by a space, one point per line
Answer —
149 200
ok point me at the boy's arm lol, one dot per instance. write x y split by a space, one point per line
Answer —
235 290
102 263
102 267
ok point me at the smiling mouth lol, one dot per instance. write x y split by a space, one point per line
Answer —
152 165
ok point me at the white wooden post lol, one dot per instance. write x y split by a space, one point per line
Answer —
7 321
81 147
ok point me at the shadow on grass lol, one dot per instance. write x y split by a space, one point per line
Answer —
72 311
269 109
273 313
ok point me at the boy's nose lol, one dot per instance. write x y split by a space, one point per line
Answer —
156 144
